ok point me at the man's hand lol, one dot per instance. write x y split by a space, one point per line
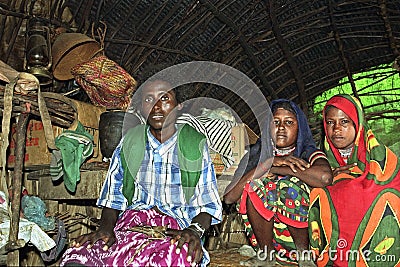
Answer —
107 236
195 251
105 231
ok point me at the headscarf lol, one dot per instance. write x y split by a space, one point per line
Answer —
305 145
262 150
374 160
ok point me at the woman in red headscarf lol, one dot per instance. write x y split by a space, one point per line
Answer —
355 221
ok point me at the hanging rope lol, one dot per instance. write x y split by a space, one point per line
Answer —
28 82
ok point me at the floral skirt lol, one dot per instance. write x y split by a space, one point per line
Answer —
285 200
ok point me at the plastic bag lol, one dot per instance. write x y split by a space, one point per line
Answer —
35 210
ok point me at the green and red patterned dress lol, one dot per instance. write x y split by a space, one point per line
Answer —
355 221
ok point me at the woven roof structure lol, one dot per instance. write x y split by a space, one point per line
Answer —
293 49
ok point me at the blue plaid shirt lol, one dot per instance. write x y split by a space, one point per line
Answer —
158 184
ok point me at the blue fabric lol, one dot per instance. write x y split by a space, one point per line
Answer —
35 210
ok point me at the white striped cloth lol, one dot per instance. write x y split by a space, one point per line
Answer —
217 131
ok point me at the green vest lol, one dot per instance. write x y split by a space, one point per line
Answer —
190 155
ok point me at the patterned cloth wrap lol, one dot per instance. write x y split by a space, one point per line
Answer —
285 199
106 83
132 248
355 221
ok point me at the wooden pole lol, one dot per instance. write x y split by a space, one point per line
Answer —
16 187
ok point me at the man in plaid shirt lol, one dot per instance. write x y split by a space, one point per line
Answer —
137 199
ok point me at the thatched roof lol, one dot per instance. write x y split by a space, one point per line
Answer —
292 49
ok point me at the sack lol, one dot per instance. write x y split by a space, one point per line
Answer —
106 83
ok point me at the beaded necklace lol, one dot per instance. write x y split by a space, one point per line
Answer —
283 151
345 153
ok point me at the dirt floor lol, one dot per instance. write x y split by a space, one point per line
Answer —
229 258
226 258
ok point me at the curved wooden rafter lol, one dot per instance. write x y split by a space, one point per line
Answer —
392 40
247 49
296 50
341 49
288 56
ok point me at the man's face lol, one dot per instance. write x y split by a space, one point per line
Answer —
158 105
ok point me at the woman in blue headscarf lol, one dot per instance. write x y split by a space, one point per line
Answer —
275 205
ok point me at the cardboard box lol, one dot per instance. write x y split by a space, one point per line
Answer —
241 136
37 153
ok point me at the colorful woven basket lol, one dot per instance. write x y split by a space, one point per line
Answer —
106 83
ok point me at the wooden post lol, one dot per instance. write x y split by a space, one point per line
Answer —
16 184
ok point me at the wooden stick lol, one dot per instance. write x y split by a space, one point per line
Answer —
13 257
